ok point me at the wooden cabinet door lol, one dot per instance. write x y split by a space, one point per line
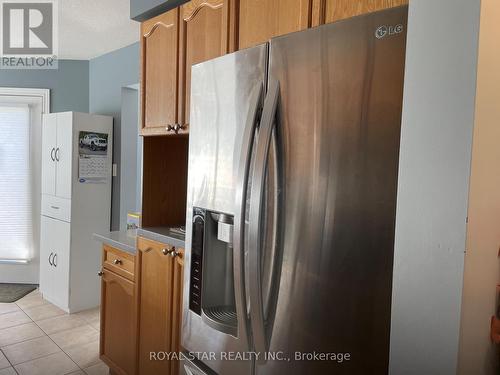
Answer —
207 30
155 306
118 323
159 58
326 11
177 285
261 20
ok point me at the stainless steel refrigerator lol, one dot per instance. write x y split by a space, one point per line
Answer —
293 161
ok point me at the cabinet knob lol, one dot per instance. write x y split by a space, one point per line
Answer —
173 253
117 261
165 251
100 273
178 127
175 128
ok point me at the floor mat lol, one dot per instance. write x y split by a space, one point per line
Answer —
13 292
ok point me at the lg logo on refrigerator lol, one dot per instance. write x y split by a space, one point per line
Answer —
384 30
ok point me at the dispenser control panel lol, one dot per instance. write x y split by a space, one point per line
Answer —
196 260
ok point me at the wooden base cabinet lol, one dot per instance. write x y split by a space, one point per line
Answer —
118 323
177 284
160 304
141 308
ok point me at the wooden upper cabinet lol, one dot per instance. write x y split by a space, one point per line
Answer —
326 11
159 85
261 20
207 30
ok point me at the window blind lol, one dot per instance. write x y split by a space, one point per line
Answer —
16 203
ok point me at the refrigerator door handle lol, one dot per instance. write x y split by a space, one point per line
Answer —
255 219
256 100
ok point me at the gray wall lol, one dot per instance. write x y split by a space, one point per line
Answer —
107 75
436 138
131 155
69 85
141 10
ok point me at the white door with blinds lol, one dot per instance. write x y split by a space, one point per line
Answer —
16 188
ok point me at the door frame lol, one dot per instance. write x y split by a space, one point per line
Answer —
27 271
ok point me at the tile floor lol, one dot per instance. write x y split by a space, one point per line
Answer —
37 338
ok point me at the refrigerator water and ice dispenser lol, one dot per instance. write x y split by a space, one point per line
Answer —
211 292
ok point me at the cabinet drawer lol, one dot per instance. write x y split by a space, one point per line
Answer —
119 261
56 207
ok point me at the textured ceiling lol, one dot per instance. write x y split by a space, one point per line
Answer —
90 28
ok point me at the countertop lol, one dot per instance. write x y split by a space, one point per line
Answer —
126 240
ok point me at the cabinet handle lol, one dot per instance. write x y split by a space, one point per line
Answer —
50 259
117 261
54 207
52 154
100 273
169 128
57 154
54 260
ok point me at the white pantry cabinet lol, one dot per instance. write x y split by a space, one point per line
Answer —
76 202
